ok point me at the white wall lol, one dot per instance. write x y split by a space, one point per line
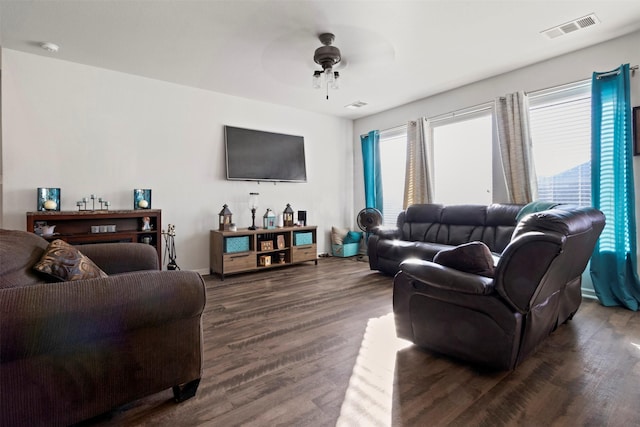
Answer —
568 68
90 130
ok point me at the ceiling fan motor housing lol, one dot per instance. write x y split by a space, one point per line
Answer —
327 56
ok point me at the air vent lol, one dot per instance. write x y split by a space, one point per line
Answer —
355 105
570 27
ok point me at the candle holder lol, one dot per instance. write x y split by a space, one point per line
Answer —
48 199
141 198
82 204
253 204
104 204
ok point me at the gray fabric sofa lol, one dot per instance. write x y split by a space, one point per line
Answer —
72 350
425 229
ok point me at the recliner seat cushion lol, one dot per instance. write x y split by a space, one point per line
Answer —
402 249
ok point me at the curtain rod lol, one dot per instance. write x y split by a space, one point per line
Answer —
439 117
485 105
616 72
387 130
462 112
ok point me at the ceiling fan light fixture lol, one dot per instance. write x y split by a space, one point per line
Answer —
317 79
328 75
336 80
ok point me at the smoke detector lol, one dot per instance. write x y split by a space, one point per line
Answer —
50 47
571 26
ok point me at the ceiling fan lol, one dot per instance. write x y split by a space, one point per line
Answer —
359 50
327 56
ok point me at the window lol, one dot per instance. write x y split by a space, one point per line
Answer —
463 159
560 120
393 156
462 162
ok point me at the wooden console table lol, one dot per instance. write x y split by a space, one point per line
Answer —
251 250
75 227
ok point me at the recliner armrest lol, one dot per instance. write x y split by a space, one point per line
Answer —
429 273
523 265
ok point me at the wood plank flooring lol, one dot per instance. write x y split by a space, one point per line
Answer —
315 346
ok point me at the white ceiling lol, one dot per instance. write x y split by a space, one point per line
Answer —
393 52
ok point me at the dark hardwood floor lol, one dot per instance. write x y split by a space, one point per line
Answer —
315 346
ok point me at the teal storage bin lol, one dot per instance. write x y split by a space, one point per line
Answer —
301 238
346 250
236 244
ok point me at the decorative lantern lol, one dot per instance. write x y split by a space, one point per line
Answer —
224 218
287 216
269 219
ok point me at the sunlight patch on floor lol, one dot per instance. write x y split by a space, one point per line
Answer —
368 400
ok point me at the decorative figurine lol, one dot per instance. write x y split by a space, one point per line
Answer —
146 223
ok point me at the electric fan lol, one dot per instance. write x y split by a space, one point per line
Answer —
369 218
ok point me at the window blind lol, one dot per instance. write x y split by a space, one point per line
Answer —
560 122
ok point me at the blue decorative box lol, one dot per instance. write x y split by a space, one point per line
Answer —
236 244
301 238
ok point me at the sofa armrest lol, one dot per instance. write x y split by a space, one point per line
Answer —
387 232
429 273
54 317
115 258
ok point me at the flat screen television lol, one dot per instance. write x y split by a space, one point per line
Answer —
254 155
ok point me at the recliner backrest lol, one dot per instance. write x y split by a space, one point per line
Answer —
577 230
581 228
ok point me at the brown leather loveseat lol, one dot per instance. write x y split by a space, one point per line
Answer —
71 350
499 321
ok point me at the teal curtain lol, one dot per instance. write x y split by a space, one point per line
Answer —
372 169
614 268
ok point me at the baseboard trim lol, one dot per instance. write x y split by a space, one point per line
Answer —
588 293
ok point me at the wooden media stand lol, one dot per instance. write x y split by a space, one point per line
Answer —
251 250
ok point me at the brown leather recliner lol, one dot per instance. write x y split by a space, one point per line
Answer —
499 321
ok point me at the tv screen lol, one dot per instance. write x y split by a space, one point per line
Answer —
254 155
